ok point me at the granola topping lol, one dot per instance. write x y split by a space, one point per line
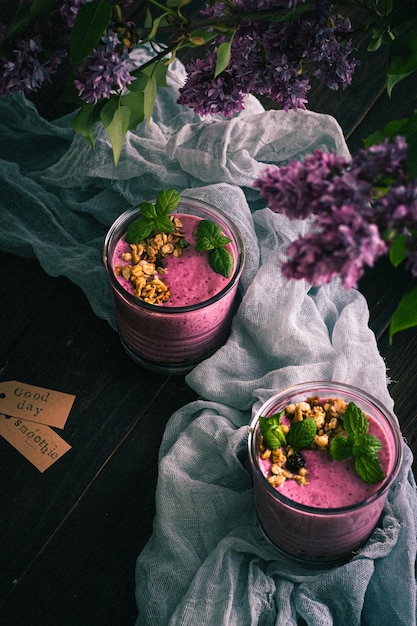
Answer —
288 463
144 263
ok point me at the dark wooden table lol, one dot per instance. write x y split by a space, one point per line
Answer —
70 536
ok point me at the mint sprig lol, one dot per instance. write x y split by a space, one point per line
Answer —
359 445
211 239
154 217
274 436
300 435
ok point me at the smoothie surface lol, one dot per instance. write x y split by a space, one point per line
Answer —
331 483
189 277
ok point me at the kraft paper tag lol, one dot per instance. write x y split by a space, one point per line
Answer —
37 442
35 404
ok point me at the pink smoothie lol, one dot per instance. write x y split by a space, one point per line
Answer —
324 521
333 484
189 277
172 337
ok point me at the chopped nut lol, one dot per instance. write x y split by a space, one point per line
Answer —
321 441
126 271
278 456
167 248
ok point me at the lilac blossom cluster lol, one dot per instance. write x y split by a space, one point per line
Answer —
36 54
356 209
33 58
270 58
106 68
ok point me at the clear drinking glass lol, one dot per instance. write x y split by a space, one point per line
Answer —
310 535
173 339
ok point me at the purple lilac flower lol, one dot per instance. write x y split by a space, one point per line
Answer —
262 65
357 208
28 69
298 189
208 95
276 59
340 251
69 11
327 52
108 67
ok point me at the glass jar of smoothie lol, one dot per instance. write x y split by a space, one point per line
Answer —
316 510
173 336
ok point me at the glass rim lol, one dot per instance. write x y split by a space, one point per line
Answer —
127 216
331 386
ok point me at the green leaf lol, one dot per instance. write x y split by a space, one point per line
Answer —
139 230
84 121
163 224
116 122
223 57
155 25
395 127
302 433
207 232
41 8
91 22
167 201
147 210
134 102
154 217
341 448
375 43
354 420
149 94
20 20
221 261
274 436
403 52
397 250
369 469
366 445
209 236
405 315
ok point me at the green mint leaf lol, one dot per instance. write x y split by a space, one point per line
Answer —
341 448
163 224
366 445
147 210
206 234
272 432
139 230
167 201
369 469
221 241
221 261
301 434
354 420
154 217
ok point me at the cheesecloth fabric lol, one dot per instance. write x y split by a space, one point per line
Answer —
207 562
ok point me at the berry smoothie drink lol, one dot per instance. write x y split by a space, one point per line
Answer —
323 457
172 308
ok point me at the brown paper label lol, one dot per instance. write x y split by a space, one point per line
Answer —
36 404
37 442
